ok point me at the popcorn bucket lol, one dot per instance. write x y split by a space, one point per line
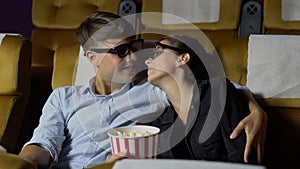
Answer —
140 141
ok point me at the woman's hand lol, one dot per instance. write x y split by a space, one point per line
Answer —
255 126
116 157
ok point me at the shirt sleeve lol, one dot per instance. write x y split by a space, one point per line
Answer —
49 134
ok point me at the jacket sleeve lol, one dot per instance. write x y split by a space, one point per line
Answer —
235 110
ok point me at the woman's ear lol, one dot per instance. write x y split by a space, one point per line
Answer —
184 58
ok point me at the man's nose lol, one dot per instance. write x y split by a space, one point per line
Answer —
131 57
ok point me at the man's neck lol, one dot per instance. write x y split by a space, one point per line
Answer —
106 88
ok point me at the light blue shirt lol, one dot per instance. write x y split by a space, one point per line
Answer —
75 121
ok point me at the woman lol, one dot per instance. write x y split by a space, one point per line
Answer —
178 70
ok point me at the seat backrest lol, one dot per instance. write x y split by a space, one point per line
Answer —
273 66
234 56
281 147
15 62
223 22
281 17
65 65
55 24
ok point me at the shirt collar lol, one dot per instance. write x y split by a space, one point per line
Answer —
91 87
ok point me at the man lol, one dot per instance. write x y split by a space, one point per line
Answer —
72 132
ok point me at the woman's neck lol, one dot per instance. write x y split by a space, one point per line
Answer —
180 93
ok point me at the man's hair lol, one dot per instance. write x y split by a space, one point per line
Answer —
100 26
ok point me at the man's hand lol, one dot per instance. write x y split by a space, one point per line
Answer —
255 126
117 157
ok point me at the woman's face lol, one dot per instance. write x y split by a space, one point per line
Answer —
162 67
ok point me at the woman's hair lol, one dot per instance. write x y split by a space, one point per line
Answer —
100 26
191 46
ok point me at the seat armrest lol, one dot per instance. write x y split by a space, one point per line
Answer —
13 161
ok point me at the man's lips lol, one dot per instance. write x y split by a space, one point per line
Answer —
129 68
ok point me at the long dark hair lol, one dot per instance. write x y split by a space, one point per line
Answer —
191 46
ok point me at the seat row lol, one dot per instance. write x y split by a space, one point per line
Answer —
55 52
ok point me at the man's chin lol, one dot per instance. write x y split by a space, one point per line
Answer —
125 78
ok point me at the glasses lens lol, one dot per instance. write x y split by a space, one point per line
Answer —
136 45
121 50
164 46
155 53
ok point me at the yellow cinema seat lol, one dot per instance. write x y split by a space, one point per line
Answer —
282 140
55 24
12 161
15 61
280 17
225 28
64 65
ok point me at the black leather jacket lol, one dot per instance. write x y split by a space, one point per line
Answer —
218 146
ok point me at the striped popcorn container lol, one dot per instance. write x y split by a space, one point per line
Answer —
140 141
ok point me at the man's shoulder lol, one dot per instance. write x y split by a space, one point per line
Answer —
145 86
70 90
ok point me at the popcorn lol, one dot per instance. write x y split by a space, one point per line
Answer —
140 141
134 133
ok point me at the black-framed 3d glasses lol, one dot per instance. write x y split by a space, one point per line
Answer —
122 50
158 51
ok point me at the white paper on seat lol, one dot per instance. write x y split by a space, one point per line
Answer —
274 66
194 11
290 10
2 149
84 71
2 35
179 164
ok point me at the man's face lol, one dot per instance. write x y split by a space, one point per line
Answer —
116 63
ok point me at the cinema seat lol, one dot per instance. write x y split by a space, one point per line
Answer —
12 161
222 27
282 144
15 60
55 24
281 17
64 65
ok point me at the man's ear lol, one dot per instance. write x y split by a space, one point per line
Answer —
92 58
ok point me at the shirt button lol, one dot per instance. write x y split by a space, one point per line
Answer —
94 143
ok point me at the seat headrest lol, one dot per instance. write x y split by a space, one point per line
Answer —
194 11
273 66
84 70
215 17
2 35
290 10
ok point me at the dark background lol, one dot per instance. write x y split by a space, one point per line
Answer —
15 17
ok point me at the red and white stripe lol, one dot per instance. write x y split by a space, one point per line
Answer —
140 147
